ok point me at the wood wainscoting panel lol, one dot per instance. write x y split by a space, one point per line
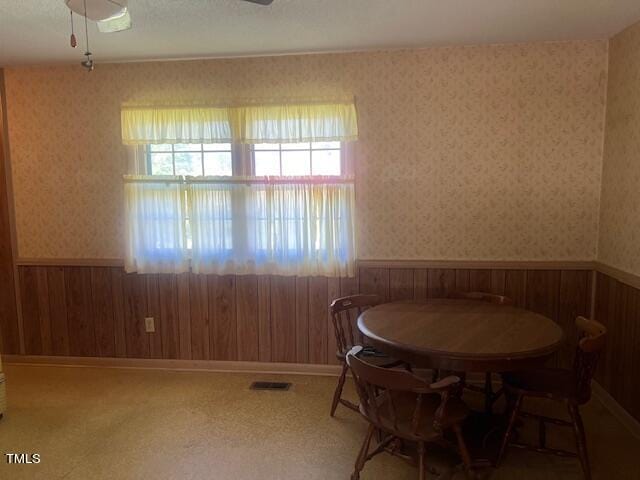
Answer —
30 312
574 300
333 291
462 280
283 319
184 316
480 280
401 284
169 316
80 313
318 333
605 311
420 283
134 293
153 311
441 282
248 328
515 287
617 306
223 317
100 310
58 311
374 280
543 291
199 302
498 281
264 318
118 311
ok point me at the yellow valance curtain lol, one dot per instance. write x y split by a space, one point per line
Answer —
149 125
271 123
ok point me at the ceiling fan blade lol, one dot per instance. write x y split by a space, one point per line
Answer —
117 23
260 2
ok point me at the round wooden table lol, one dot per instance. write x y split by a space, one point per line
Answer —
461 335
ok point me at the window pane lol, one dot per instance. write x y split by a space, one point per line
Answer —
217 163
267 163
295 146
188 163
187 147
296 163
326 162
266 146
217 146
161 164
316 145
165 147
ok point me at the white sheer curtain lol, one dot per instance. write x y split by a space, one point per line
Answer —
156 240
213 210
298 226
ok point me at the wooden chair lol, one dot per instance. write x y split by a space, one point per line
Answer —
404 407
489 396
344 313
572 387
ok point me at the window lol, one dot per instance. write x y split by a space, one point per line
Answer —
297 159
262 160
195 159
241 189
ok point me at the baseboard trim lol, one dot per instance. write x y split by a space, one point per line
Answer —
617 410
168 364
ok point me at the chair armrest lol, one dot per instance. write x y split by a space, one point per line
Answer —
445 383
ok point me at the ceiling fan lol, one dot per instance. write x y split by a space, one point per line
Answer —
113 15
110 16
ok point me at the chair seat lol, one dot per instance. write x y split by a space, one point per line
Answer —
372 357
544 382
404 405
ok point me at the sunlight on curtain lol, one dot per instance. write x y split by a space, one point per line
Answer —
155 225
153 125
212 210
255 123
298 227
291 123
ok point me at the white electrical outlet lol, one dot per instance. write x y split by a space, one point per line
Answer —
149 324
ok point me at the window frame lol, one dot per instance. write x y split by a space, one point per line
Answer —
243 158
277 147
148 152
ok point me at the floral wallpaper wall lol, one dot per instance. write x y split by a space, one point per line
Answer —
619 244
481 153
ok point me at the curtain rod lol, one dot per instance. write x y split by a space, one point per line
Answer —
246 181
222 104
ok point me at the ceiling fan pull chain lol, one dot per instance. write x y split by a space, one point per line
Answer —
86 29
88 63
73 41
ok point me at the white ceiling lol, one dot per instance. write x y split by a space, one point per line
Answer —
37 31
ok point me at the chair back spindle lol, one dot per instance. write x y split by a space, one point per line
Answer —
344 314
381 389
592 339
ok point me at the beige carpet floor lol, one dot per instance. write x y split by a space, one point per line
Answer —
92 423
